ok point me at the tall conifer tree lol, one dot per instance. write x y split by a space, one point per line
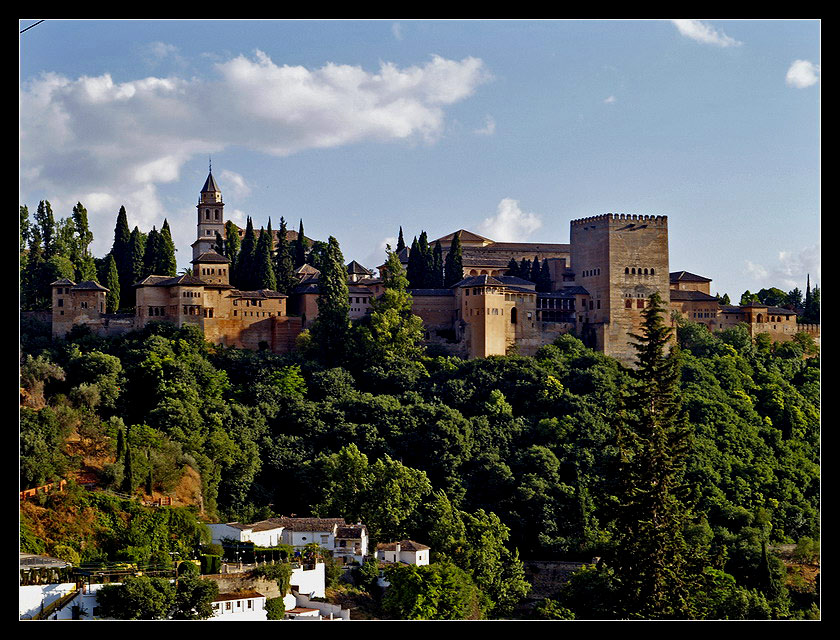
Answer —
46 224
167 264
112 282
301 248
284 266
437 267
415 266
656 570
454 267
245 272
331 329
400 241
263 267
427 258
233 246
152 253
121 249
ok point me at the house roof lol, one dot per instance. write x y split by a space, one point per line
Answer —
308 524
238 595
355 268
62 282
210 256
565 292
261 294
431 292
466 236
405 545
210 184
685 276
690 296
504 281
89 285
350 531
167 281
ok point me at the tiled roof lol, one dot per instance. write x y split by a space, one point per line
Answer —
405 545
355 267
167 281
62 282
685 276
238 595
350 531
565 292
504 281
210 256
308 524
89 285
210 184
431 292
261 294
693 296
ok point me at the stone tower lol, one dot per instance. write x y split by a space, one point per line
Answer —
211 218
620 259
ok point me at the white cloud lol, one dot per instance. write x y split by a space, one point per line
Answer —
609 100
236 183
510 224
700 32
802 74
396 30
122 140
790 270
489 127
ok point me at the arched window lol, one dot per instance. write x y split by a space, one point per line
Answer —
651 272
633 271
207 214
217 214
646 272
626 269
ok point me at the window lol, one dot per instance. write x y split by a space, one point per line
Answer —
61 302
640 303
628 303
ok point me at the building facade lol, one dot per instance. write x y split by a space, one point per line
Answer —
598 287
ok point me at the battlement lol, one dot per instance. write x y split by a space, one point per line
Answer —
623 217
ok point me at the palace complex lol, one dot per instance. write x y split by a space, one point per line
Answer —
597 287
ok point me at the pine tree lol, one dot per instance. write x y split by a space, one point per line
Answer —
263 267
112 282
284 266
656 570
454 267
400 242
301 248
167 264
331 329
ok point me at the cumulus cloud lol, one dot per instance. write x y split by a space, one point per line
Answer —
236 183
790 270
700 32
92 135
802 74
609 100
396 30
510 224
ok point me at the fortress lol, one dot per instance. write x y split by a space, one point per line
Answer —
597 288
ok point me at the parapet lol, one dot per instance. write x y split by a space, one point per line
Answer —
624 217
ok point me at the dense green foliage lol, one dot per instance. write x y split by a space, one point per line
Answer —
485 460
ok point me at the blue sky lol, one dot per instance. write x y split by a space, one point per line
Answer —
507 128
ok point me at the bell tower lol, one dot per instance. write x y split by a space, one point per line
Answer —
211 218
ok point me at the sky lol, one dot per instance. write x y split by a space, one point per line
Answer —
510 129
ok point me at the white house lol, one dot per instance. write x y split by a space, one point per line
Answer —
265 533
299 532
239 606
404 551
351 542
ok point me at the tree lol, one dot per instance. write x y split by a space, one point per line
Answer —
748 298
246 260
653 564
301 248
112 282
400 241
437 267
454 267
167 264
151 256
331 329
232 247
46 225
80 246
263 267
194 598
284 265
512 268
137 598
439 591
121 250
392 330
414 271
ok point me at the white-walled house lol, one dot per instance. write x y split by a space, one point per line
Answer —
299 532
404 551
264 533
239 606
351 542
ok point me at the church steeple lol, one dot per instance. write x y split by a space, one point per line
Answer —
211 219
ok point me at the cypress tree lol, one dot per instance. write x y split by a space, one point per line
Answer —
135 273
128 472
151 256
454 268
284 266
301 248
32 277
233 246
80 252
525 269
219 244
427 262
245 272
149 479
400 242
415 266
535 270
167 264
120 443
121 250
112 282
263 268
437 266
331 329
656 571
512 268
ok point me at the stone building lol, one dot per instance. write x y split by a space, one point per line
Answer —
600 283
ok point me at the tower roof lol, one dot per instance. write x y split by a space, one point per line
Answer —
210 184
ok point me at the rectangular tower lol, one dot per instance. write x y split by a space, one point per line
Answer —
620 259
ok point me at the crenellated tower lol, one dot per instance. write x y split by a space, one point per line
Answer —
620 259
